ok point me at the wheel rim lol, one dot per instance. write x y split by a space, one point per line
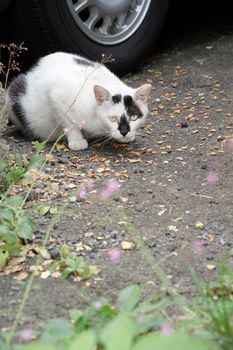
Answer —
108 22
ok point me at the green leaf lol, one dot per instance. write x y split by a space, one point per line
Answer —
6 214
129 298
35 346
64 251
12 242
14 202
57 330
54 266
19 161
177 341
40 146
35 161
3 164
119 333
84 341
65 273
25 227
53 210
72 262
4 254
7 235
43 210
75 315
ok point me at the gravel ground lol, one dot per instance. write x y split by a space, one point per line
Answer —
176 184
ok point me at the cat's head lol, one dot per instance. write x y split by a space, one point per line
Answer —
121 115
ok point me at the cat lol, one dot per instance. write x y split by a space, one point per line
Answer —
68 93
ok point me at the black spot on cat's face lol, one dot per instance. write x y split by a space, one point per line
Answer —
116 98
124 126
84 62
131 107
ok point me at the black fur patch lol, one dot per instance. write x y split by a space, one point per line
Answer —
131 107
124 126
116 98
84 62
17 88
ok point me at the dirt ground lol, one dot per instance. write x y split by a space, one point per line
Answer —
177 173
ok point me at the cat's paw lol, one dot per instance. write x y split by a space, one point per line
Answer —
78 145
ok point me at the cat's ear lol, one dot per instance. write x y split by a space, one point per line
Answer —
101 94
143 92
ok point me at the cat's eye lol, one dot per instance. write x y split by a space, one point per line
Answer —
112 118
134 117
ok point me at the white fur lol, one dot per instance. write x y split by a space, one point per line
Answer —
60 94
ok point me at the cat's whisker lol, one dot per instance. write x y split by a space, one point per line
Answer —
108 141
104 142
100 139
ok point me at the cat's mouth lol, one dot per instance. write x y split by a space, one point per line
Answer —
124 139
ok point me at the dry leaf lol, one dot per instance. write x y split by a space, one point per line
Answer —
43 252
161 212
94 269
21 276
127 245
172 228
135 154
17 261
45 274
70 174
199 225
60 146
138 160
11 269
56 274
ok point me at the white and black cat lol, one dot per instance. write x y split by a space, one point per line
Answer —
68 92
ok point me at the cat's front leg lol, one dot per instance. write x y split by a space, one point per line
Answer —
76 141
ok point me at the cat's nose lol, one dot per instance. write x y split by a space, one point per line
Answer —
124 131
123 125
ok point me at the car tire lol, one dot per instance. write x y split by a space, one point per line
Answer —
47 26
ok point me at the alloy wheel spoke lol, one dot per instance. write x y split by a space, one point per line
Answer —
107 24
120 21
81 5
93 18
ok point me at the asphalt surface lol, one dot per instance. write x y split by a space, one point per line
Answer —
175 198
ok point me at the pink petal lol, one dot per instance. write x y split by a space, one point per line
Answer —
114 255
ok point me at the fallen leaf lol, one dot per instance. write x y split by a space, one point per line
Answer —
43 252
12 269
177 219
138 160
21 276
70 174
79 247
60 146
161 212
53 210
124 199
135 154
56 274
94 269
45 274
172 228
17 261
43 210
127 245
199 225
